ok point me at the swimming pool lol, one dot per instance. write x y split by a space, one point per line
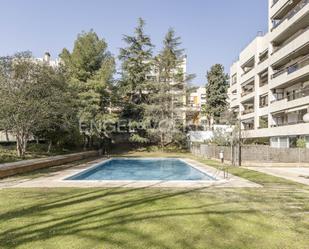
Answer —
143 169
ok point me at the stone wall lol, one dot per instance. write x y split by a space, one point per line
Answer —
9 169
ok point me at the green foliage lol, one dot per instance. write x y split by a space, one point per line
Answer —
90 69
34 98
216 92
87 56
165 106
220 138
136 61
301 143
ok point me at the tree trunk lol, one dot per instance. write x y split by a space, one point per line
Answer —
49 146
7 136
21 144
162 142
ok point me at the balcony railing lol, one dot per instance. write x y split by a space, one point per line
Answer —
248 70
293 68
291 13
287 123
244 93
298 94
247 111
291 38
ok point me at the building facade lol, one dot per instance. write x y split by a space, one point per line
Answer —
196 102
269 83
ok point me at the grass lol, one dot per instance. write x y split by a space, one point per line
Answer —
8 152
273 217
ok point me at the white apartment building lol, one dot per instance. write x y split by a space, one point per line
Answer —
269 83
47 59
197 100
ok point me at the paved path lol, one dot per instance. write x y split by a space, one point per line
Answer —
300 175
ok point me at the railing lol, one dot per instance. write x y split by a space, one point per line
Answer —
246 93
291 38
291 13
263 105
287 123
298 94
293 68
263 83
244 73
247 111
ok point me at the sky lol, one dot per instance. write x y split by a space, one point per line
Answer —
211 31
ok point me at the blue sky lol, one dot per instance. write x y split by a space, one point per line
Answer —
212 31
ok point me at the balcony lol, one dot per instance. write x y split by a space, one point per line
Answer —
248 124
290 39
297 99
290 14
298 94
288 130
291 26
289 117
247 111
292 68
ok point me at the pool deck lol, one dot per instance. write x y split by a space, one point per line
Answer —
57 179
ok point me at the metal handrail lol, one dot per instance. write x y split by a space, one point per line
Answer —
298 94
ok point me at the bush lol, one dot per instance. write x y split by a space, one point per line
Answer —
301 143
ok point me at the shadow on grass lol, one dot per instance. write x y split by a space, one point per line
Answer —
99 214
107 216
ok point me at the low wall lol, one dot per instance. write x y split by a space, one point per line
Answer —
253 153
9 169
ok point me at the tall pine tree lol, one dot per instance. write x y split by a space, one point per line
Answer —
165 110
136 65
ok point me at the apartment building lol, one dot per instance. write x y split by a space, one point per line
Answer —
47 60
269 83
197 100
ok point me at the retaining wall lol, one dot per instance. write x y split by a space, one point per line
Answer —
9 169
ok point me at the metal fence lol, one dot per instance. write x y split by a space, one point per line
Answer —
253 153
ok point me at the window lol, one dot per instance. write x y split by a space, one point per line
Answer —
234 79
263 101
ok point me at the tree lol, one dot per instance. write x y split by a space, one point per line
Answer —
61 122
165 108
90 69
216 92
136 61
30 94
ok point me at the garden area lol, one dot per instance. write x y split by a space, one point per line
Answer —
274 216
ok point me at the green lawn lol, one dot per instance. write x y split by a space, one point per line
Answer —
275 216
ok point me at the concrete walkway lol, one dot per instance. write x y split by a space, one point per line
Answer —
58 179
300 175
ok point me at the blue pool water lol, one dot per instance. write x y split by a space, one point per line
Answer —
142 169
